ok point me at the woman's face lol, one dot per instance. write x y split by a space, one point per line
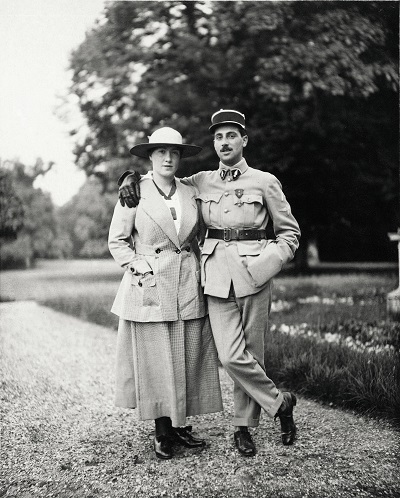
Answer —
165 161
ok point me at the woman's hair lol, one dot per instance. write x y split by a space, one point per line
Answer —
150 151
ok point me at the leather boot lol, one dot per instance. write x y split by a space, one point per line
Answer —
163 447
163 441
244 442
285 414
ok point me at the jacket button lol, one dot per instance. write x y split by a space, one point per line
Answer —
158 250
187 249
178 251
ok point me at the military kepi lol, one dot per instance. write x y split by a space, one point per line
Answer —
227 116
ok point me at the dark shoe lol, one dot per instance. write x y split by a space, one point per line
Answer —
183 436
244 443
163 447
285 414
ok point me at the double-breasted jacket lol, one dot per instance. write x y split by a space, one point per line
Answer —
147 234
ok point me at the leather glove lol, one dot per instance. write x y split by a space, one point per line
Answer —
129 191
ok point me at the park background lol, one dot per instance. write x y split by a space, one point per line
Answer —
318 83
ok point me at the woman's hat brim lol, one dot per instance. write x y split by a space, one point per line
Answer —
142 150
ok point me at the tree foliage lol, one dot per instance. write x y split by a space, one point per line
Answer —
38 236
11 209
86 220
317 81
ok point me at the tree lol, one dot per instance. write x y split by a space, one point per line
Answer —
39 236
317 81
11 209
86 220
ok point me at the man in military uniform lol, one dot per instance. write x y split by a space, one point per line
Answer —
238 263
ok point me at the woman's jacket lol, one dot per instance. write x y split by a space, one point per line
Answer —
147 234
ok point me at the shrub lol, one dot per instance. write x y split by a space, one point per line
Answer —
16 254
360 380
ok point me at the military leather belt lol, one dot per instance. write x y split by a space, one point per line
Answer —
228 234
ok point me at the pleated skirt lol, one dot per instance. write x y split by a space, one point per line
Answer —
167 369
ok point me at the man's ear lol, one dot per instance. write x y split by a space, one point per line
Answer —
245 139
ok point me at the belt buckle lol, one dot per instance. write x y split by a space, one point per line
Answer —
227 235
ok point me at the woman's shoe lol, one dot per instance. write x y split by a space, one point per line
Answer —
183 436
163 447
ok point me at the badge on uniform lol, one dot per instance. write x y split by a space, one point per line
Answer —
239 193
235 174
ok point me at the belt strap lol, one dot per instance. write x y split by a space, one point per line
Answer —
228 234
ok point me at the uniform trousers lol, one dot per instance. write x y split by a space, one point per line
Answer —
240 329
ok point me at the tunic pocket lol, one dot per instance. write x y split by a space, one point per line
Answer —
266 265
208 249
252 205
146 286
206 207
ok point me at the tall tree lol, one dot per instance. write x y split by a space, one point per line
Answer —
11 209
86 220
39 236
318 82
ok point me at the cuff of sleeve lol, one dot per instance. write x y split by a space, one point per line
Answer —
123 176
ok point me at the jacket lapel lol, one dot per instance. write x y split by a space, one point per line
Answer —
154 205
189 211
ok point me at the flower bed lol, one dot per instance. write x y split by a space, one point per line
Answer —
376 338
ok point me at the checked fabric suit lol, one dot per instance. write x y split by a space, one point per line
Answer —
166 357
173 291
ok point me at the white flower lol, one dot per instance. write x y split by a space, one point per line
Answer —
284 328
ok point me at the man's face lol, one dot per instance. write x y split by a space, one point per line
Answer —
228 144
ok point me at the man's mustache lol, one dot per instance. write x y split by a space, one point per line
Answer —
225 149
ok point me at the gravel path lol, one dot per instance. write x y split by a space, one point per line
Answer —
61 436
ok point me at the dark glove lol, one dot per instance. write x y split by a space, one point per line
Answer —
129 194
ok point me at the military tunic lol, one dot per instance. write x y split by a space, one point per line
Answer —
245 203
236 275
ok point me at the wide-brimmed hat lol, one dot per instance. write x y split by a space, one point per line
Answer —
227 116
165 137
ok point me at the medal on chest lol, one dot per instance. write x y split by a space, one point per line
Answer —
239 194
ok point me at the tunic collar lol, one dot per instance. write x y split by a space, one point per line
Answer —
241 165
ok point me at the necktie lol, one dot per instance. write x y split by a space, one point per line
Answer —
171 193
168 197
233 173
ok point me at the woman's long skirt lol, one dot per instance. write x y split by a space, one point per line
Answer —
167 369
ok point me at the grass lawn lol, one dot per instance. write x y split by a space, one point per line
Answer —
330 337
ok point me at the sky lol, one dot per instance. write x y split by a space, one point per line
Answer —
36 39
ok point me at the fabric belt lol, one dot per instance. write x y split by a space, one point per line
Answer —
228 234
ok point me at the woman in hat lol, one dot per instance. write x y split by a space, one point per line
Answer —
166 357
